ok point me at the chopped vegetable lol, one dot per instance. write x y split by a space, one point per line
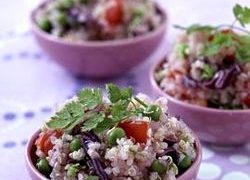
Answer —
158 167
136 129
186 162
114 135
44 141
154 112
114 13
75 145
61 19
246 100
73 169
44 24
208 72
182 50
43 166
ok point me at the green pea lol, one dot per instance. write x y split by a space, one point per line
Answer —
68 3
43 166
62 19
115 134
186 162
84 1
73 170
75 145
154 111
158 167
137 13
44 24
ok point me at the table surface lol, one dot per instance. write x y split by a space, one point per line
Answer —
31 85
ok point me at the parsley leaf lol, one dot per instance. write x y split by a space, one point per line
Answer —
93 122
243 54
208 71
115 93
182 50
90 98
104 125
219 41
70 114
242 14
119 110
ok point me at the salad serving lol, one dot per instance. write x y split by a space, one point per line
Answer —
78 20
210 65
122 137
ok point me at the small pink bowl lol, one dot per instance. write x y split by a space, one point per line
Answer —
30 158
222 127
99 59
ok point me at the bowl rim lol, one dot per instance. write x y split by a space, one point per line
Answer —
157 88
117 42
31 141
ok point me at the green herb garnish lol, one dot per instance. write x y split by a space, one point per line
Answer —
219 39
71 114
115 94
90 98
242 14
93 122
89 111
182 50
208 72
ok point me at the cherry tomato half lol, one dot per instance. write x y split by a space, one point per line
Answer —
114 13
135 129
246 100
44 140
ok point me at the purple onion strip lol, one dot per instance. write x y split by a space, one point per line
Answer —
95 163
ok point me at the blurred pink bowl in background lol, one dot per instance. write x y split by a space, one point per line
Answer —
217 126
99 59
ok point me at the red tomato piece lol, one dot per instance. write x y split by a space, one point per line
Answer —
136 129
44 142
247 100
114 13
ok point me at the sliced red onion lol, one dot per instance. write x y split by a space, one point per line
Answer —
189 82
222 78
94 162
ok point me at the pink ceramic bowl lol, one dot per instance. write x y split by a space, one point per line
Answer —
99 59
222 127
30 158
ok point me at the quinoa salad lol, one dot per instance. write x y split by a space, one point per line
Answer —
77 20
210 65
124 137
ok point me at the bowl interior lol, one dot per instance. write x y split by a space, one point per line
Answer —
31 159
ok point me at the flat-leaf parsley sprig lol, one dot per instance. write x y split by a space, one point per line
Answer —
93 114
